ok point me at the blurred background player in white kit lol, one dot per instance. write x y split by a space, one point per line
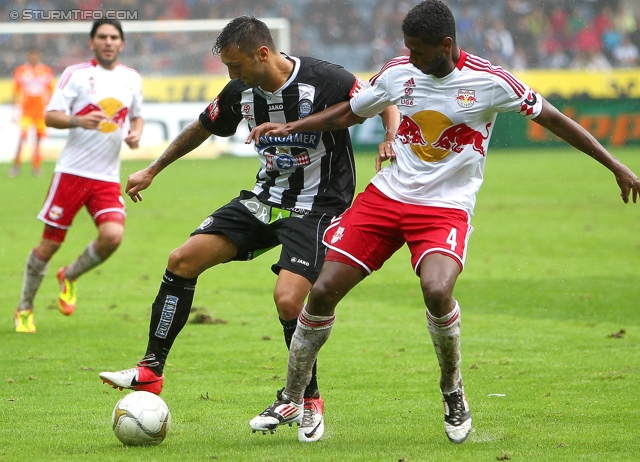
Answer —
92 99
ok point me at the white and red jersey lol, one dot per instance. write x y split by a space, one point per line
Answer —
87 87
446 123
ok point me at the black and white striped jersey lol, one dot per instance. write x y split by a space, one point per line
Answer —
311 171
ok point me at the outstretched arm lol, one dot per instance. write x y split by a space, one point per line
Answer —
192 136
574 134
333 118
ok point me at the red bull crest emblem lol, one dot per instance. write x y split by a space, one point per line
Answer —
466 98
337 235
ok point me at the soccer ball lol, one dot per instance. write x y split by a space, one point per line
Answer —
141 418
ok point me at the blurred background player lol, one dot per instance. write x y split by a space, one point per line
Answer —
92 99
32 88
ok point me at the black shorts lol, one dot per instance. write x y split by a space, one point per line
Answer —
255 228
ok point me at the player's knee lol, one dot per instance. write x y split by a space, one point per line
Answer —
183 263
438 296
288 306
110 239
322 299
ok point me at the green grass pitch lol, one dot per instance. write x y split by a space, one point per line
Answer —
550 321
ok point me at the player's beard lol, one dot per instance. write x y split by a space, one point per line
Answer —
437 69
107 62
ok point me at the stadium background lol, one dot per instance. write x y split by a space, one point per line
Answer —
581 54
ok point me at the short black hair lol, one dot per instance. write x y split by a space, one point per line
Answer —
430 21
247 32
114 22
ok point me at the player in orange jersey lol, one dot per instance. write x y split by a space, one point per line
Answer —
33 86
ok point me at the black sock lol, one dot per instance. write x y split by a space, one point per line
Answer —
289 327
169 314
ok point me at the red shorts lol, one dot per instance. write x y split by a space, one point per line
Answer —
375 227
68 193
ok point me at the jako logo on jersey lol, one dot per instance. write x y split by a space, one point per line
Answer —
305 107
114 109
466 98
276 107
308 140
300 261
457 137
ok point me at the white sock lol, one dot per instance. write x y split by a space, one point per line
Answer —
445 335
34 272
88 260
311 333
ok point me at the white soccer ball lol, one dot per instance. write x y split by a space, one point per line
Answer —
141 418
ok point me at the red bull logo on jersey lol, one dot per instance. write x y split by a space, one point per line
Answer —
115 110
432 136
409 132
457 137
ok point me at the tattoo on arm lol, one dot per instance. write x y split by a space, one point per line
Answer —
192 136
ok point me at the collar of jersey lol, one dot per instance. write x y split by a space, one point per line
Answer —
292 76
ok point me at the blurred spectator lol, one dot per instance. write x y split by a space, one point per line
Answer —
635 35
558 20
587 40
624 20
519 60
499 43
626 54
315 12
551 54
333 31
469 35
604 20
591 60
525 41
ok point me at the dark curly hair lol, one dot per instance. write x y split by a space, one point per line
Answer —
247 32
430 21
98 22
